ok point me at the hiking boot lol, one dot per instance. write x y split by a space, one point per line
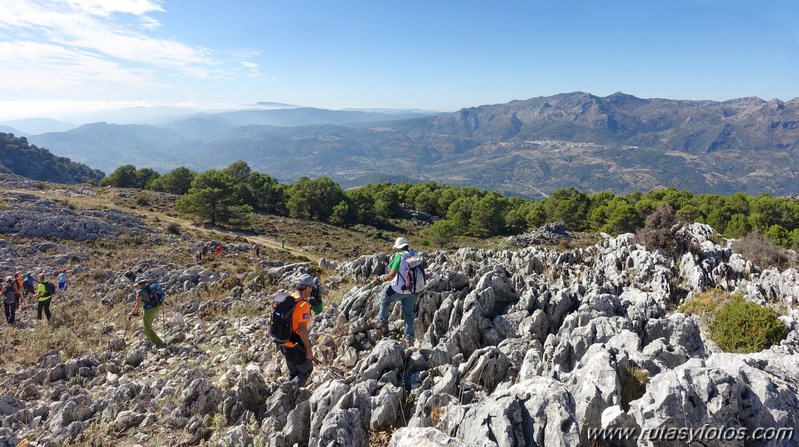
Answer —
382 327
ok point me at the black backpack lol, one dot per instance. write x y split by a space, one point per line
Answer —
49 288
280 325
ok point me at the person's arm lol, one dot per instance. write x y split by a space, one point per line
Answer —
392 273
302 331
387 277
136 306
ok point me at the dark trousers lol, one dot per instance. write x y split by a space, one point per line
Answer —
11 312
299 367
43 305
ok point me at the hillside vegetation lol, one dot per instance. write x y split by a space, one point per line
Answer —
32 162
231 195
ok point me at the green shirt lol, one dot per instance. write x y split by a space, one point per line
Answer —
43 296
396 261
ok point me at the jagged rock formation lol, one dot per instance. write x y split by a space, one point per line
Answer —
516 347
548 234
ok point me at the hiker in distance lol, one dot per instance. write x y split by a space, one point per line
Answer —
27 285
395 291
299 357
151 310
46 291
62 281
10 300
18 287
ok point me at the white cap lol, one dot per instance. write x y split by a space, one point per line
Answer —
9 278
400 242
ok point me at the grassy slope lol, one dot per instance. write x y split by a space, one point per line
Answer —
80 324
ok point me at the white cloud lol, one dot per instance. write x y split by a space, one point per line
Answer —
107 7
149 23
27 66
47 46
251 68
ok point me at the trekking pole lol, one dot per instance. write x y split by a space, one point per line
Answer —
127 327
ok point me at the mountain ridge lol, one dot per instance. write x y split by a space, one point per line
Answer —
619 143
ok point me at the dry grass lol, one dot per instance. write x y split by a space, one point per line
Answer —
379 438
73 330
633 384
435 417
764 253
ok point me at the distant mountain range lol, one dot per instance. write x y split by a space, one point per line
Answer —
618 143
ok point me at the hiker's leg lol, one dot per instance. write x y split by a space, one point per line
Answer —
385 305
408 303
149 316
303 372
47 308
6 308
291 364
39 308
13 313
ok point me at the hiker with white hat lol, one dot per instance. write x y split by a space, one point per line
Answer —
396 292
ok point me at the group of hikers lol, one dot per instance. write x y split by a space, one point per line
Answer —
203 252
305 299
298 351
16 290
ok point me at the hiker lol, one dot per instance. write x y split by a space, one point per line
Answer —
62 281
394 292
18 287
150 312
27 285
219 250
17 283
315 299
46 291
299 358
10 300
257 250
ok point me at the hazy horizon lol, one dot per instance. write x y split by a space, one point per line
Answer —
62 58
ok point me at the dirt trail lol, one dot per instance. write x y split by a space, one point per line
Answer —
99 200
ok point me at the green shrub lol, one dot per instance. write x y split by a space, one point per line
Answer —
743 326
173 228
735 324
705 305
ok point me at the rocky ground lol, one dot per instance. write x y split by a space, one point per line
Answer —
530 346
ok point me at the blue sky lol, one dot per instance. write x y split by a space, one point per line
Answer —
63 55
